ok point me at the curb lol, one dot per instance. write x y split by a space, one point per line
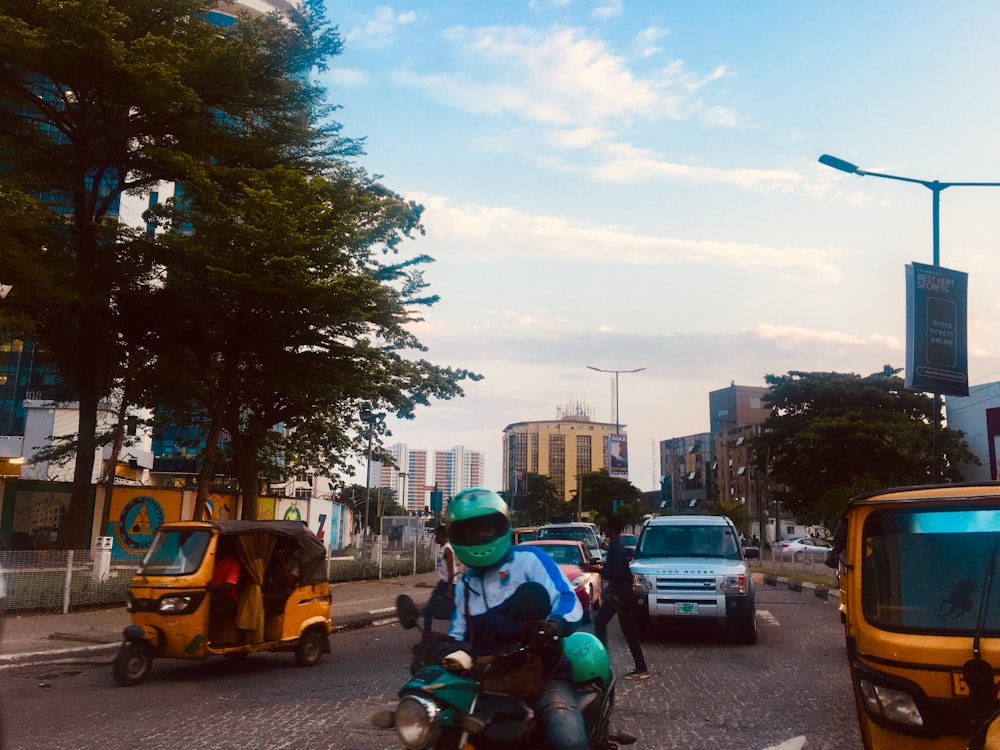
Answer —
818 590
106 648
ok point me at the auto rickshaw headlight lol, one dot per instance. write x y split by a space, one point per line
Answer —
172 605
416 722
890 704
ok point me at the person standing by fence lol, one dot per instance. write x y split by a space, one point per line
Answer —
444 591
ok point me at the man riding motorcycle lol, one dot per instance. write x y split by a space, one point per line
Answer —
479 528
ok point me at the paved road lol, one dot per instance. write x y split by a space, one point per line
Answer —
791 691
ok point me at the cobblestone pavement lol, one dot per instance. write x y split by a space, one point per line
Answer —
790 691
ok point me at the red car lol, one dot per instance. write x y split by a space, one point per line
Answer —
570 556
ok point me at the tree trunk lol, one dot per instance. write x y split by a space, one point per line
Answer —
76 529
108 474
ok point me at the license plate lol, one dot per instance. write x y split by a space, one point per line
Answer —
960 687
685 608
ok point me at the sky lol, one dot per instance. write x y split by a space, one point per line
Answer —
621 184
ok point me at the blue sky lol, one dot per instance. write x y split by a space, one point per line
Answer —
628 184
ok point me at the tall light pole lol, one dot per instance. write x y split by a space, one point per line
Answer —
618 428
370 419
935 186
403 475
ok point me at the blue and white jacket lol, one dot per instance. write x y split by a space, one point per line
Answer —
482 599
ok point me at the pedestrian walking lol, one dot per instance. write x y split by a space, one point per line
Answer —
617 580
443 595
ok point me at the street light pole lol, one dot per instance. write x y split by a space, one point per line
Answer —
370 419
935 186
403 475
616 374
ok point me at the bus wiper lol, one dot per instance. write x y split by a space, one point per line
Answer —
977 672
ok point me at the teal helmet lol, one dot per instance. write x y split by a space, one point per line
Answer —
588 658
478 527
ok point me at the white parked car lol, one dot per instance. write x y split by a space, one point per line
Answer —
802 548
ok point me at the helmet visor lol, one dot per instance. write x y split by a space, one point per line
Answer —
480 530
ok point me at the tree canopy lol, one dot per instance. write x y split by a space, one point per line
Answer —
832 430
540 505
264 302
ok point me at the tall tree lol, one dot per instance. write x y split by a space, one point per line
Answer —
299 322
831 430
102 97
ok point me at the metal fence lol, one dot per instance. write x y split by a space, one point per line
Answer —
53 581
59 580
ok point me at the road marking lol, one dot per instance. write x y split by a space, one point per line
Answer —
764 617
796 743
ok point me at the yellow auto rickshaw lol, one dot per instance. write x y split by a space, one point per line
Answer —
920 601
229 588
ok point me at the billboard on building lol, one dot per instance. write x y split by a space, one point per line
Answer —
937 351
618 456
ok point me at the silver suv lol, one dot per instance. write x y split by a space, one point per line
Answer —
692 569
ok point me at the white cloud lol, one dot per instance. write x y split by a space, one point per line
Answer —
647 40
557 77
607 9
624 163
346 77
501 232
381 27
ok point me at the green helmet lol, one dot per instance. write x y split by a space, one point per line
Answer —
588 658
478 527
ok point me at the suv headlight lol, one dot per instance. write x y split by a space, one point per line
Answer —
735 584
416 722
641 584
891 704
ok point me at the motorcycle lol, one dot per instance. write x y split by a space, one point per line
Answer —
451 702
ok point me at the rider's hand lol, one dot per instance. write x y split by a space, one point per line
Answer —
540 633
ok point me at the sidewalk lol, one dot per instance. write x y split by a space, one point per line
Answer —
98 633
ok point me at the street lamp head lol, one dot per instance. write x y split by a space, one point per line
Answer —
843 166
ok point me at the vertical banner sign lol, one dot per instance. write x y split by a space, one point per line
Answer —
618 456
937 350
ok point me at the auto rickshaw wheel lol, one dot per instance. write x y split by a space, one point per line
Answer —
133 663
310 649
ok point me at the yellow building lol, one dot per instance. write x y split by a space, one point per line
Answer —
561 449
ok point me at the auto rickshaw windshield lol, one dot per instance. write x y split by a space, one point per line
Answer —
932 570
175 553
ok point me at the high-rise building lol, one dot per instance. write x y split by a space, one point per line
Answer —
449 472
561 448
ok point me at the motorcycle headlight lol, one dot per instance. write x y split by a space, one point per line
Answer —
417 722
892 705
175 604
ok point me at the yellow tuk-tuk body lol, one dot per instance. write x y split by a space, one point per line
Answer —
281 602
920 600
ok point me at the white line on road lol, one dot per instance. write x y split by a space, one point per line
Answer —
764 617
796 743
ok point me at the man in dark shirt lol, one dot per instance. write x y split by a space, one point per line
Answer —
615 599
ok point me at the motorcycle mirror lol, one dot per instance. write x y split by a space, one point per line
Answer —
406 611
530 602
